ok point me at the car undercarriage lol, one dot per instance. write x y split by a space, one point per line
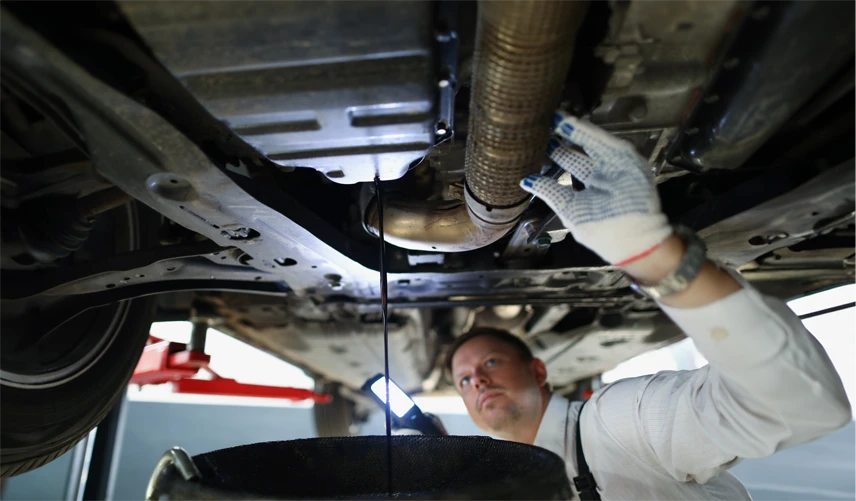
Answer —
215 162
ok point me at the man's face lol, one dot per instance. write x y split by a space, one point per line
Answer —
500 389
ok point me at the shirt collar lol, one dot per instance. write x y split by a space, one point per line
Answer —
552 431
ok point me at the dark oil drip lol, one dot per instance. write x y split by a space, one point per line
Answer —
383 310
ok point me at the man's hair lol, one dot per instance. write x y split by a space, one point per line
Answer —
498 334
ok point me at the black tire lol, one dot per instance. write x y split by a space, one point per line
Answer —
40 422
335 419
39 425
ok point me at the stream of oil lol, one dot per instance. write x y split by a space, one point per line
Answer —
383 309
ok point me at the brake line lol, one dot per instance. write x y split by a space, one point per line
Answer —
383 311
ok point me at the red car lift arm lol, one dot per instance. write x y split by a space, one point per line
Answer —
170 362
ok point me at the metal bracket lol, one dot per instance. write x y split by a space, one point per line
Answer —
446 44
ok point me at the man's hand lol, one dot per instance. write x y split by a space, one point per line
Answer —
439 424
618 215
439 430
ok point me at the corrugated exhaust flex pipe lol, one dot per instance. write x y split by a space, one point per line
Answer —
523 53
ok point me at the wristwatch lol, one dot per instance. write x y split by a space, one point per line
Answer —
687 270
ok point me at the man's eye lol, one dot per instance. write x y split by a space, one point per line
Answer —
465 381
490 362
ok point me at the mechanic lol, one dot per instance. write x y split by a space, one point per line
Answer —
769 384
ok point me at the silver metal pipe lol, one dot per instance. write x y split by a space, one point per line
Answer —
522 57
523 53
439 226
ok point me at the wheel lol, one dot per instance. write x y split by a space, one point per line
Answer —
337 418
55 390
42 423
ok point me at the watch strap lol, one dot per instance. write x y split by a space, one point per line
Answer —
684 274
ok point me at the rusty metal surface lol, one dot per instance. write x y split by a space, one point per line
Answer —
522 57
346 88
523 52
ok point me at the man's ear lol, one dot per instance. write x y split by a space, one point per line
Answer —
540 370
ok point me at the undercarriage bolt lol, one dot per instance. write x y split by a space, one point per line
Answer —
638 112
442 128
543 242
334 281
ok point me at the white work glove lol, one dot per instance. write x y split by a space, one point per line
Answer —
618 214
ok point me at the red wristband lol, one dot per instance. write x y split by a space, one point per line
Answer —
639 256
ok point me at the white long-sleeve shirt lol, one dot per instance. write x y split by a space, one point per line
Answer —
769 385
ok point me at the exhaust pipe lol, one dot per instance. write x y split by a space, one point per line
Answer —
433 226
522 56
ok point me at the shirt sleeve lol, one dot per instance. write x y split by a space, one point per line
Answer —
769 385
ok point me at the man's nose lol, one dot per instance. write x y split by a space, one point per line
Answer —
480 379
